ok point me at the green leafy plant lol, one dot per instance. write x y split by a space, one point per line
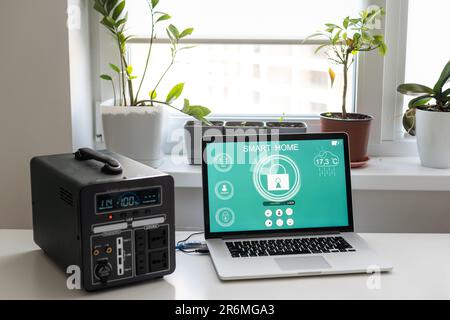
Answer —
114 19
423 95
346 40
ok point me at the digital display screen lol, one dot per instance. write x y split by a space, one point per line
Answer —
262 186
128 200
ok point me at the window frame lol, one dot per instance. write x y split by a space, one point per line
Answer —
375 83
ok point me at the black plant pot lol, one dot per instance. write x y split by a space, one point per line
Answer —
244 127
288 127
193 135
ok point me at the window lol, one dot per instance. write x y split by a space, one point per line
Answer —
417 53
248 58
250 79
428 50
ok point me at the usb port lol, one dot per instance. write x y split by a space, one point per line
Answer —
119 251
120 260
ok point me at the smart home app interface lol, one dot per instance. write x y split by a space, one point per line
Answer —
255 186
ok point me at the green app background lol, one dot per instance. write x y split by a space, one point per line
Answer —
321 201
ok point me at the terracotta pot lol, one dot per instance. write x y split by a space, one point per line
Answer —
357 126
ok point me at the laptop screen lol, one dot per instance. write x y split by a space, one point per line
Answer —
277 185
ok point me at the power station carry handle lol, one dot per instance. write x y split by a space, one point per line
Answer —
112 166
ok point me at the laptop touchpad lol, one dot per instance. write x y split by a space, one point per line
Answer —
302 263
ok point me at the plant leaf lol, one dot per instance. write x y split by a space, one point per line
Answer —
332 76
130 70
419 101
118 10
110 4
175 93
443 79
409 121
109 23
186 106
152 94
199 113
346 22
336 37
315 35
186 32
382 49
174 31
378 38
154 3
163 18
114 67
446 93
99 8
121 22
320 48
171 38
414 89
186 48
106 77
332 25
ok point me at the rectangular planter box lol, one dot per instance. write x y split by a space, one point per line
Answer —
195 131
244 127
193 135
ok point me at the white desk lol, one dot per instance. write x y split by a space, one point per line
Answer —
421 271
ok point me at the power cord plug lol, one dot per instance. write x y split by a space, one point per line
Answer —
197 247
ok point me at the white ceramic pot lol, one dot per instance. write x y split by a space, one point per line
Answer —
135 132
433 143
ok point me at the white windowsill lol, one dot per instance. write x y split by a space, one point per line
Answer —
382 173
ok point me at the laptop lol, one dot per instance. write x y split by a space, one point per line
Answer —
281 206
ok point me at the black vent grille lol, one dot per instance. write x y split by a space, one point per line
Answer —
66 196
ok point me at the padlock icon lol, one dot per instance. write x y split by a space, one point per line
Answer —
277 181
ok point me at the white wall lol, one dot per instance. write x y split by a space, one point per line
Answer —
34 97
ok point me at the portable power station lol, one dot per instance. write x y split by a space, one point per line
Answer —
111 216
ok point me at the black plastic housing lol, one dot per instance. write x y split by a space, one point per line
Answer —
66 224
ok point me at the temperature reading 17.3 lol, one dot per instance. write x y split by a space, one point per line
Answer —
326 162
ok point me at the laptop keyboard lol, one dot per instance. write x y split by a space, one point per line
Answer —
277 247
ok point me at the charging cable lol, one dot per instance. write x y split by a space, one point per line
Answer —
196 247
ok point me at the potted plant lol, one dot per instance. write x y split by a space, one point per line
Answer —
430 122
133 124
344 42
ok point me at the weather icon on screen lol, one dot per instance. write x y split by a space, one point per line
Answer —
326 161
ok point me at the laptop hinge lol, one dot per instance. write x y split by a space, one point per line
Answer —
278 235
